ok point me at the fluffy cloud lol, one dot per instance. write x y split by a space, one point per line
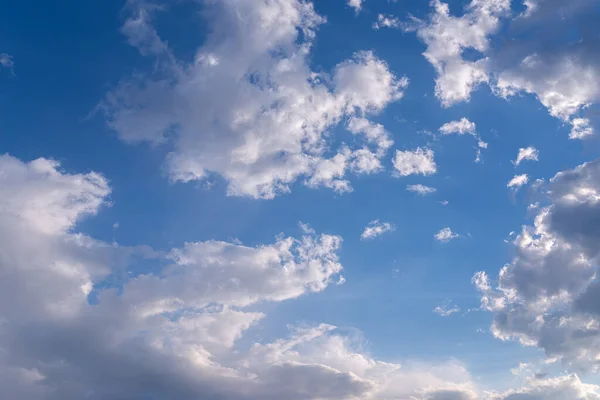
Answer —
563 75
517 181
356 5
526 154
85 319
386 21
548 295
417 162
376 228
459 127
249 108
447 37
563 387
445 235
421 189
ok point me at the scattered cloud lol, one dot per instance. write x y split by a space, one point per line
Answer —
6 61
548 295
376 228
417 162
526 154
445 235
517 181
387 21
462 127
421 189
446 309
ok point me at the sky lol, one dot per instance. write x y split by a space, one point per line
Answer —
294 199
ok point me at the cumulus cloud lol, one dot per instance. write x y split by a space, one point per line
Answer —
526 154
249 108
376 228
445 235
421 189
459 127
447 37
417 162
386 21
85 319
517 181
562 387
356 5
563 75
548 295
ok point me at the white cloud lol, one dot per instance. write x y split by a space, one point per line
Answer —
564 76
356 5
528 153
421 189
581 128
562 387
459 127
445 235
447 37
249 108
376 228
386 21
517 181
548 295
417 162
446 309
173 330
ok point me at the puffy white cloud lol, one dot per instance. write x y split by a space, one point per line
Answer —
547 296
445 235
421 189
172 330
562 387
563 75
526 154
376 228
386 21
356 5
447 37
417 162
581 128
459 127
517 181
249 108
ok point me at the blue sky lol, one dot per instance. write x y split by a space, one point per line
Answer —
217 165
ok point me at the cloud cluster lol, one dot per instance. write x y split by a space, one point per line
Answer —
547 296
445 235
249 107
564 75
80 318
